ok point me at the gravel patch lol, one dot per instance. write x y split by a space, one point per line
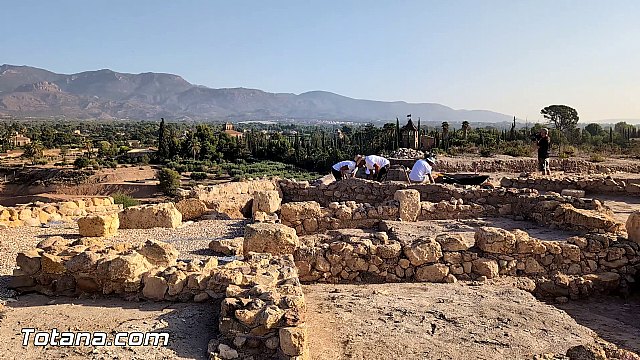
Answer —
191 240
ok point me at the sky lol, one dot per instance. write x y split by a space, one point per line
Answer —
509 56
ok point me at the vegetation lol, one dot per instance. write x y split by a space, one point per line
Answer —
125 200
169 181
297 151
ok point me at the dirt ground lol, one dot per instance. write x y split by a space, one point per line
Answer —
190 327
454 321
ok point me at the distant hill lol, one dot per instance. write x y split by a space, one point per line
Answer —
106 94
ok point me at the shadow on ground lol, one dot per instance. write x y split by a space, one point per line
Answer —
613 318
190 326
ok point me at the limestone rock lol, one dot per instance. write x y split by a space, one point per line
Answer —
485 267
409 204
155 287
98 225
586 352
266 201
297 211
452 242
227 246
423 251
51 264
633 227
191 209
572 193
275 239
226 352
432 273
125 268
587 219
29 262
293 340
495 240
159 253
149 216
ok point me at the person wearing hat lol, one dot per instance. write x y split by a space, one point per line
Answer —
377 166
421 170
346 168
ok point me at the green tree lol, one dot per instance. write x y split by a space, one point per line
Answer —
33 151
564 118
81 162
169 181
594 129
163 143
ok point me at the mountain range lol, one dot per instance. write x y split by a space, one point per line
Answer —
105 94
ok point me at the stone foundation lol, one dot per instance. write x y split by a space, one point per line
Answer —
590 184
262 306
36 214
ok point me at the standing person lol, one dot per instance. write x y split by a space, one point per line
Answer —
544 144
421 170
346 168
378 166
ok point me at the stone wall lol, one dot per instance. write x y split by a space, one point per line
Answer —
590 184
517 165
233 199
36 214
261 301
576 268
553 210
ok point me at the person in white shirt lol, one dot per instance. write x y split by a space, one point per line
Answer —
346 168
378 166
421 170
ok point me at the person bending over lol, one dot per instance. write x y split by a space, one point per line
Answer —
378 166
421 170
345 169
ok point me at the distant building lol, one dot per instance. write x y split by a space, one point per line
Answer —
134 144
138 153
228 129
409 135
18 140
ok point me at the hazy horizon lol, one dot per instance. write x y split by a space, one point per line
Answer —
511 57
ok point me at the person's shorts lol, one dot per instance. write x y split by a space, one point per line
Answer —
543 164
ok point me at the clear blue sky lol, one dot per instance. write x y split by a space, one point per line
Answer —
510 56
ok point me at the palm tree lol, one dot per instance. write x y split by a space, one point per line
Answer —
465 129
445 133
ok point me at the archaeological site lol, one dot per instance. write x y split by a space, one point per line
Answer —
521 267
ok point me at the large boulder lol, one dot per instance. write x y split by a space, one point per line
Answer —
633 227
191 209
98 225
149 216
266 201
409 204
293 340
298 211
452 242
275 239
432 273
586 219
159 253
485 267
495 240
423 251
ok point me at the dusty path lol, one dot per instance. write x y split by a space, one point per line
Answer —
437 321
190 327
